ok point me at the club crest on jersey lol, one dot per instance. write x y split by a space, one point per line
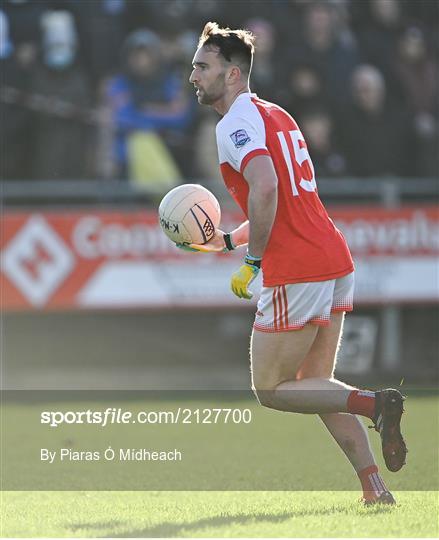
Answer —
240 138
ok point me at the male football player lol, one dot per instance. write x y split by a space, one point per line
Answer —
308 273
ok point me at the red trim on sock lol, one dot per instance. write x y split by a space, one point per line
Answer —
361 402
371 482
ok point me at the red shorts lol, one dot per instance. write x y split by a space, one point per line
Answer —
290 307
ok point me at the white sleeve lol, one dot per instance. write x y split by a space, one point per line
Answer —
237 137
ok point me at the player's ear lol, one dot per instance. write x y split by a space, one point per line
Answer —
234 74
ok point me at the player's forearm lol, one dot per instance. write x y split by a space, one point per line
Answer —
240 235
262 206
261 177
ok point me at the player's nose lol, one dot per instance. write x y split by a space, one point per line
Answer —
192 77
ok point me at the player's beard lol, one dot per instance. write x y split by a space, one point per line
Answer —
212 94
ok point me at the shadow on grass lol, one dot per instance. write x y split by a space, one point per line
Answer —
168 529
75 527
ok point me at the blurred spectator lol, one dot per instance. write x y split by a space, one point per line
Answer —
306 53
264 70
376 134
416 72
6 47
318 129
378 37
171 16
24 18
15 120
146 98
60 137
324 46
177 53
206 149
303 90
288 17
417 75
177 50
425 13
102 26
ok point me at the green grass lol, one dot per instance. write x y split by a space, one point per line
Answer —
280 451
215 514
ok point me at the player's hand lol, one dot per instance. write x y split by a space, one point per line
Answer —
215 245
244 276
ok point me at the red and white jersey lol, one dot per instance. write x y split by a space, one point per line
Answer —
304 244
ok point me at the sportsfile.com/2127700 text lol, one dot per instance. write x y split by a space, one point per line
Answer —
180 415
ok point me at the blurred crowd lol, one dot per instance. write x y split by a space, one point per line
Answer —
99 88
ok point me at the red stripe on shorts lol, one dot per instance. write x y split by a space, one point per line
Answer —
281 309
275 309
284 292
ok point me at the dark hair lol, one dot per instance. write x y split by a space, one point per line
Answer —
233 45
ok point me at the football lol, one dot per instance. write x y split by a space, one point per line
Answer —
189 214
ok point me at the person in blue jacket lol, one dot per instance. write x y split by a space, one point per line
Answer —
148 95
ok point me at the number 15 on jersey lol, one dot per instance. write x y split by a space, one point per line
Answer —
300 156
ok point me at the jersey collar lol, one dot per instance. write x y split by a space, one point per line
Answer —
241 97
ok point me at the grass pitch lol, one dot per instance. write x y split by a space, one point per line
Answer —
215 514
245 513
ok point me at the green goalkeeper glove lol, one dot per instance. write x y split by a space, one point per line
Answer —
186 247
